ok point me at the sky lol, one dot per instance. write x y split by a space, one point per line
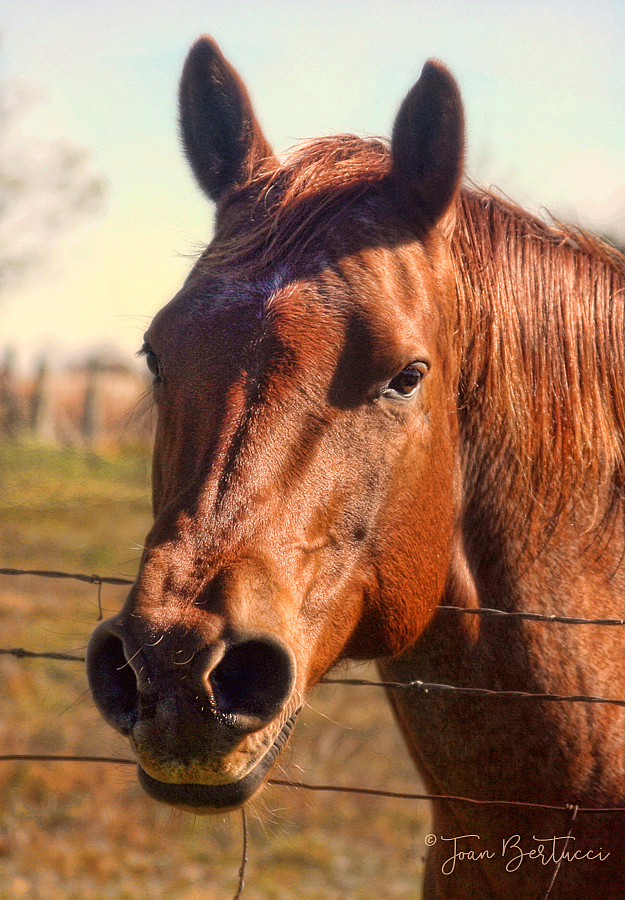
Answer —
543 84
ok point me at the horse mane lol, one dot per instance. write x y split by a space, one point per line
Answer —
542 311
540 319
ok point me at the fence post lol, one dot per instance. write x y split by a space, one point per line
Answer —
42 423
12 419
91 421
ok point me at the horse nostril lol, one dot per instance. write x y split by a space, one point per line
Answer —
111 679
251 682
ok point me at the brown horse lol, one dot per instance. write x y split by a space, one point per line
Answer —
379 392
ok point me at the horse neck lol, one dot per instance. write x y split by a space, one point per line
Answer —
541 321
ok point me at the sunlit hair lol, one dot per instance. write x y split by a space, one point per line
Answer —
541 310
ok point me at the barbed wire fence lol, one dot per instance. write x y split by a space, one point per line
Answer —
417 685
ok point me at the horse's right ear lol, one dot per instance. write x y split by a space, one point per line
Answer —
427 147
222 139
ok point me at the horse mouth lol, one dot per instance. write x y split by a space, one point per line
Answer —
203 799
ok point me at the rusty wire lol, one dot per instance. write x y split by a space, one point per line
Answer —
423 687
243 855
426 687
556 871
77 576
20 653
487 612
482 611
333 788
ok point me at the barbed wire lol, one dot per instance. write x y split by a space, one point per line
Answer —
482 611
77 576
426 687
20 653
333 788
417 685
534 617
402 795
98 580
556 871
243 865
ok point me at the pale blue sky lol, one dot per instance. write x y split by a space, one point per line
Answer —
543 83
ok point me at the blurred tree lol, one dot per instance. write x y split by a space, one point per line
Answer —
46 188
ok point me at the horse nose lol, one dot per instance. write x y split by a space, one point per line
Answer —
252 682
112 680
246 682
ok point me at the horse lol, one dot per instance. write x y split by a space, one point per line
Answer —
383 392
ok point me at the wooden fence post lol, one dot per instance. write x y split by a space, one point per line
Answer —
91 421
42 423
12 419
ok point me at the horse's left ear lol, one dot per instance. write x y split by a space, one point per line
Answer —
427 148
223 141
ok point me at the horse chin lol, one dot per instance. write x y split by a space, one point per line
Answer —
204 799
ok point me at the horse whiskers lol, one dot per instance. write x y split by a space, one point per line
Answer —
325 716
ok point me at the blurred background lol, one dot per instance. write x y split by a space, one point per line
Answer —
99 223
99 216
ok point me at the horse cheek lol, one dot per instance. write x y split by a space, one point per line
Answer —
419 525
408 560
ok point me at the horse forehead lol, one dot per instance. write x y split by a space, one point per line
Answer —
254 293
209 304
379 286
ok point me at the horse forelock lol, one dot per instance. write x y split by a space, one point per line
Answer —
275 218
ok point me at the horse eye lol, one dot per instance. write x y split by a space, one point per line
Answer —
153 364
406 383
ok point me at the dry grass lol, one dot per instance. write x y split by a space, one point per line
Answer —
71 831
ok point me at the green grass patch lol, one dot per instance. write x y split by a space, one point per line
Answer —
34 477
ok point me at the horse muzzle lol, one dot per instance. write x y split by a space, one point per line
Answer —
203 799
206 721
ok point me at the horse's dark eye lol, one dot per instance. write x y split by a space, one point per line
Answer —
153 363
406 383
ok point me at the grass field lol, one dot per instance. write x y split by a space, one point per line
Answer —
84 831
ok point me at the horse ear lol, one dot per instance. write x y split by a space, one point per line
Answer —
427 148
222 139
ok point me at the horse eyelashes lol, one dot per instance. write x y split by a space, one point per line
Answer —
153 363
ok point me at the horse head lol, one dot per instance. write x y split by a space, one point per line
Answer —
305 472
